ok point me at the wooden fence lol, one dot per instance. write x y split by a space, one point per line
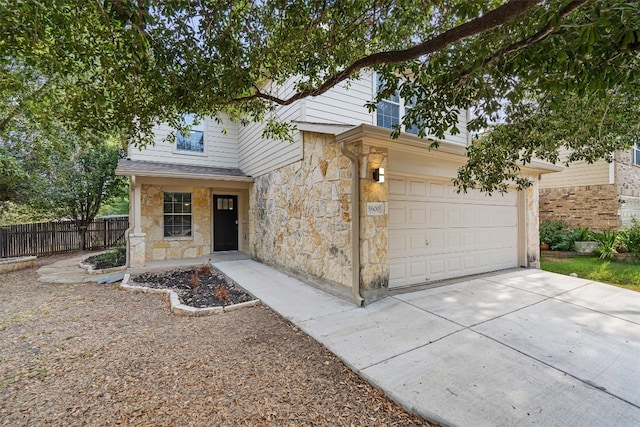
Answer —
46 238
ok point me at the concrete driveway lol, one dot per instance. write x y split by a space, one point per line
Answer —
520 348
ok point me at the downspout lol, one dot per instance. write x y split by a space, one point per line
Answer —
355 225
132 181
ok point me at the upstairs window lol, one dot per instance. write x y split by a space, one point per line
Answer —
177 214
636 154
192 141
390 110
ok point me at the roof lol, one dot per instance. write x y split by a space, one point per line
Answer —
129 167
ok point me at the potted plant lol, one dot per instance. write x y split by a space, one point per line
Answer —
584 243
554 235
629 239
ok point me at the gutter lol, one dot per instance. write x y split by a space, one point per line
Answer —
355 225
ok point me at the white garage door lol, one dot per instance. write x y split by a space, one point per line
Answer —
436 233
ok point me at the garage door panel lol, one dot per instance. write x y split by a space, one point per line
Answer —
397 243
435 233
404 243
443 192
397 214
414 214
417 242
397 188
417 188
417 215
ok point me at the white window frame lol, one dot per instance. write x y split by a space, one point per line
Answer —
403 107
200 127
635 155
185 211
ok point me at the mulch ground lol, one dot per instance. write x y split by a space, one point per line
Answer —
202 286
88 354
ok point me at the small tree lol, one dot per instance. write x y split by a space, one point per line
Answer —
84 180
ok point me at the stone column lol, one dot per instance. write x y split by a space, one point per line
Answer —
374 269
532 224
137 239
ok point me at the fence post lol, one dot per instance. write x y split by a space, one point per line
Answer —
106 226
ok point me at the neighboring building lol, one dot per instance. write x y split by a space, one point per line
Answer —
313 207
600 196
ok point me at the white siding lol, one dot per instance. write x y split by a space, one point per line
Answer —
462 137
256 155
244 147
343 104
221 148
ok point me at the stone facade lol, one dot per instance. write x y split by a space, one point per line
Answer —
592 206
628 184
302 217
157 247
627 174
531 224
301 213
374 270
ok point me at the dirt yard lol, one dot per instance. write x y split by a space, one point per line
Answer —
88 354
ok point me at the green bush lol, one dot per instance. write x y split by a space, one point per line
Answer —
608 241
581 234
629 237
556 235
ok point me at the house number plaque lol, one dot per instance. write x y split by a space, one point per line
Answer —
375 208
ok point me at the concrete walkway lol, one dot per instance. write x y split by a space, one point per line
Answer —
519 348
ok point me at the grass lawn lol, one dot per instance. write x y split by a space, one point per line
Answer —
618 273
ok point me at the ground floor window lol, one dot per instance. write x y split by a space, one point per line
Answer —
177 214
636 154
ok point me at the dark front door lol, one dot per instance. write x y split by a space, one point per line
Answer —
225 223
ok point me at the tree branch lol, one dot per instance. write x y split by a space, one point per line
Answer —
545 31
488 21
16 110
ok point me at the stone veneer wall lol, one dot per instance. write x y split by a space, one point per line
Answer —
627 174
301 213
531 224
374 270
628 183
592 206
159 248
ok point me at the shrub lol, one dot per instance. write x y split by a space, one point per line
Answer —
608 243
555 234
581 234
629 237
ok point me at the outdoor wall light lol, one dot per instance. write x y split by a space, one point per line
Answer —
378 175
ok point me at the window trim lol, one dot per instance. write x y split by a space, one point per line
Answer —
403 107
165 214
635 155
188 118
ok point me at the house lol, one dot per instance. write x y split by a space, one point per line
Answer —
599 196
345 205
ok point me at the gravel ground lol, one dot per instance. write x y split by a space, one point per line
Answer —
88 354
